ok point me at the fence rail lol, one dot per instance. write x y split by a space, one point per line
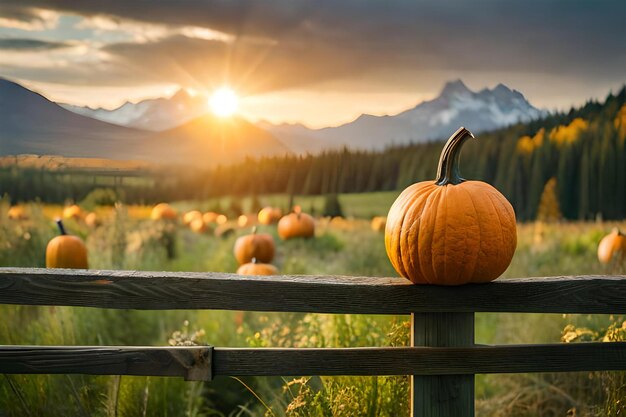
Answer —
442 359
311 294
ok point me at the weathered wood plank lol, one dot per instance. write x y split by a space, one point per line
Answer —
321 294
442 395
191 363
185 361
479 359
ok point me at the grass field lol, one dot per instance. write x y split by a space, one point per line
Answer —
128 239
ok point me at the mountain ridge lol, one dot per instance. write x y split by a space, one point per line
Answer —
33 125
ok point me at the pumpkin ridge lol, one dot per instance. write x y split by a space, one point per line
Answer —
496 198
426 262
414 213
400 225
502 246
443 205
472 271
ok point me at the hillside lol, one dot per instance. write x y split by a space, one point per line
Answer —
32 124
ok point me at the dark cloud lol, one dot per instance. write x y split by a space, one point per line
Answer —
287 43
15 44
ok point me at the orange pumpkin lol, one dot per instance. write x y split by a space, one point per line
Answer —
296 224
451 231
198 226
245 220
17 213
163 211
210 217
378 223
269 215
66 251
254 246
255 268
612 246
92 220
72 212
191 216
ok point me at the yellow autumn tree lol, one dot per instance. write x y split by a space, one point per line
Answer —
549 209
620 123
562 135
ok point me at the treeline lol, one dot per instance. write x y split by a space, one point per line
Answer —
583 149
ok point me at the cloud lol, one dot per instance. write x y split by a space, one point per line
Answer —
284 44
18 44
20 16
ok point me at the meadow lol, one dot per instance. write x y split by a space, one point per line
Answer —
128 239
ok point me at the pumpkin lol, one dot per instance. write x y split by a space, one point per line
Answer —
378 223
269 215
451 231
255 268
163 211
92 220
72 212
254 246
221 219
66 251
296 224
210 217
198 225
191 216
17 213
245 220
612 245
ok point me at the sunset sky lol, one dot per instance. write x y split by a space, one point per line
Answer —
317 62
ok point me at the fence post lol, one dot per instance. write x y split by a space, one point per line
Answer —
449 395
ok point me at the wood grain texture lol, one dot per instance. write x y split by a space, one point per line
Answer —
191 363
317 294
442 395
478 359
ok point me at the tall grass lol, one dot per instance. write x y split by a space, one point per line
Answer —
130 241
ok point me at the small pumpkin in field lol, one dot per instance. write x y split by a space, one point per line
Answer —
378 223
72 212
296 224
198 225
256 268
245 221
92 220
191 216
612 246
269 215
451 231
259 246
163 211
17 213
66 251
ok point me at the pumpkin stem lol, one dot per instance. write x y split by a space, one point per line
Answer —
448 169
253 260
254 230
61 227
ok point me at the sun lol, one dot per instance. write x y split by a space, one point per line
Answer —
224 102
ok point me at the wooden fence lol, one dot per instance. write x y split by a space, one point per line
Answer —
442 359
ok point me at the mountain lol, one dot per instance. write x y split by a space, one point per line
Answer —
32 124
456 106
210 140
153 114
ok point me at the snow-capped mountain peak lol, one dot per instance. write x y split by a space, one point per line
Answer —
152 114
455 106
